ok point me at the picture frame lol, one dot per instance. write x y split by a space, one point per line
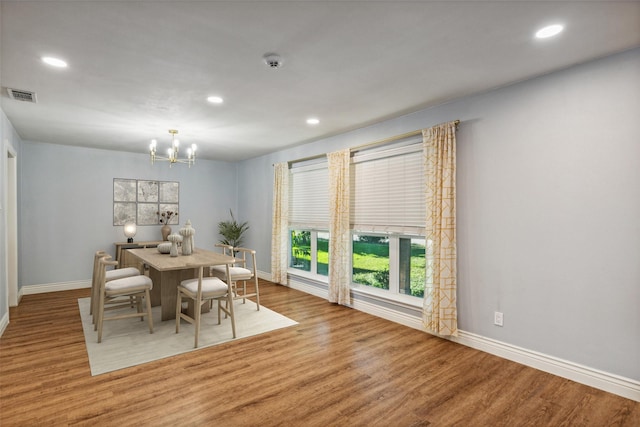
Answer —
141 201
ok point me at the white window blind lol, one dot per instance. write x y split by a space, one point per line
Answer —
309 197
387 191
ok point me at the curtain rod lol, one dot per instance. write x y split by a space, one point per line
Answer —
369 144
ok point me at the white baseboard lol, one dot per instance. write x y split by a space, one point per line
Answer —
264 275
4 322
611 383
309 289
55 287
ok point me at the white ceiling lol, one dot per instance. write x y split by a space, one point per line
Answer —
139 68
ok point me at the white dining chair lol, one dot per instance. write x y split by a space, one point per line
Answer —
136 287
243 270
117 273
202 290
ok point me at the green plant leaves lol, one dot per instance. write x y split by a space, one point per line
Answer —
232 231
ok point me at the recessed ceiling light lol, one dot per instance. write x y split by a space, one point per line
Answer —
54 62
313 121
215 100
549 31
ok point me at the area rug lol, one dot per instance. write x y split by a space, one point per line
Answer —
127 342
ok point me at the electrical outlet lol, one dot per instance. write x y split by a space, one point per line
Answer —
497 318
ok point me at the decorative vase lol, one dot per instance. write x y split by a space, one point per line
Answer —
164 248
165 230
174 239
187 233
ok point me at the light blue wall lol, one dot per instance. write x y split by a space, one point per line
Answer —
548 209
67 205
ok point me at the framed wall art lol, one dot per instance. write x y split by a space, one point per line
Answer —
142 201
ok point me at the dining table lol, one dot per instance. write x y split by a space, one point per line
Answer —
166 272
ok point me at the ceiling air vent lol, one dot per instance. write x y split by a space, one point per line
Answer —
22 95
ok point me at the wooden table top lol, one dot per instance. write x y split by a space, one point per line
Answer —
165 262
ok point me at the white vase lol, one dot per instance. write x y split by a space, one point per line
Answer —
174 239
187 233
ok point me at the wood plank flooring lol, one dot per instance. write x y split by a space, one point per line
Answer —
338 367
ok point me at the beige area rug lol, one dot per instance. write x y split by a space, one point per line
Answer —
127 342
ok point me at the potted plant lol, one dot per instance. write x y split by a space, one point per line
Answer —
232 231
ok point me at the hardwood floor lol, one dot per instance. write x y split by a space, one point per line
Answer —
338 367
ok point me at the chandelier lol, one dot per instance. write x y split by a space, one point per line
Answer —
172 152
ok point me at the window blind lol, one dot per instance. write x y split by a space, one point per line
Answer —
387 191
309 197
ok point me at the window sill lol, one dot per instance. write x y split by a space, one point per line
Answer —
384 296
379 295
308 275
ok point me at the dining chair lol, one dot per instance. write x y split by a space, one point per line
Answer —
202 290
136 287
243 270
226 249
114 274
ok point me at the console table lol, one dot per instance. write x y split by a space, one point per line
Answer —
127 261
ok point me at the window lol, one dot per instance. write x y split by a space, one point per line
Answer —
310 251
387 215
371 260
300 250
391 263
411 266
309 218
322 258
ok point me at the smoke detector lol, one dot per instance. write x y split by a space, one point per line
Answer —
272 60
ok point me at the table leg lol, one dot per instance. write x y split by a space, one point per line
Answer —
165 291
156 278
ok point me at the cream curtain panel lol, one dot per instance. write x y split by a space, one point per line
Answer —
439 312
280 218
340 235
